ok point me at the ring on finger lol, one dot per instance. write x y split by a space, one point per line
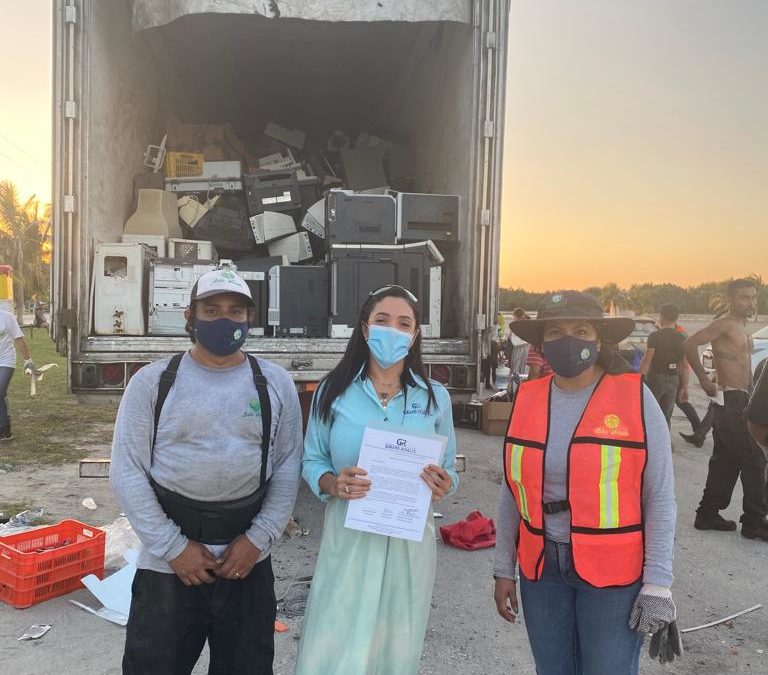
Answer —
346 488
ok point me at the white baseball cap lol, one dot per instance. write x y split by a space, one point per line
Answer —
220 281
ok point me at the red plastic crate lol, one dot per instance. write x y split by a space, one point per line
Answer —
29 574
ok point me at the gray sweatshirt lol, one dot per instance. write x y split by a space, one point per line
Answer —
659 507
208 448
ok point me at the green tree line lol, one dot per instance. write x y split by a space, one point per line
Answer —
25 243
706 298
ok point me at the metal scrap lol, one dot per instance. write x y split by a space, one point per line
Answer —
723 620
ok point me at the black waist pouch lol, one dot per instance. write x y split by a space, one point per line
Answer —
210 522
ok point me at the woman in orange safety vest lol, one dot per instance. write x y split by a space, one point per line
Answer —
587 509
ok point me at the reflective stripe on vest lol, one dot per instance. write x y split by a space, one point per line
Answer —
607 458
609 486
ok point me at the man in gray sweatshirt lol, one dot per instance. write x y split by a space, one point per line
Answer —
205 462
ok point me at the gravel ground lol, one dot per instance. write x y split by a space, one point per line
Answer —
716 574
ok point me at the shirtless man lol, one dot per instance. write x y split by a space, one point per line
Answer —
735 452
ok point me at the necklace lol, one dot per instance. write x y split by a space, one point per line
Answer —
385 391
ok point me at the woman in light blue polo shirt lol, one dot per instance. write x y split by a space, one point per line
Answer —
369 603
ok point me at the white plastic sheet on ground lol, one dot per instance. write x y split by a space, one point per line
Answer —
113 592
154 13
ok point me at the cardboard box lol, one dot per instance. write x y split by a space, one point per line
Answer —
496 418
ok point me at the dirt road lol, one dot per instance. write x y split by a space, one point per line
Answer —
716 574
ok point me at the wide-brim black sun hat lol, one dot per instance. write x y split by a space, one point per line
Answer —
573 306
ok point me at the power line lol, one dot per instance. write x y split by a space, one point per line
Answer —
18 147
15 161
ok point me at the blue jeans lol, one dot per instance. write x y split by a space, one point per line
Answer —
6 374
575 628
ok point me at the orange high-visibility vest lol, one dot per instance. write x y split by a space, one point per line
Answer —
606 462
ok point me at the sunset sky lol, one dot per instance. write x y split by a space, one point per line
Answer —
636 137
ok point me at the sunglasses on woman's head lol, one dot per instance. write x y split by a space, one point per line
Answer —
378 291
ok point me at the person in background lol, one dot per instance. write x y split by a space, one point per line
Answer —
699 427
38 308
537 364
757 411
371 594
11 339
490 357
664 362
735 454
517 349
205 462
587 511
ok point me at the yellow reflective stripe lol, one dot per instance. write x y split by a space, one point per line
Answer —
609 486
516 471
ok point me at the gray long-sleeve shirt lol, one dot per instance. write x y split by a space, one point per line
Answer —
208 448
658 499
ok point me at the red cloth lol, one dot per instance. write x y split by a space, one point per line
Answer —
475 532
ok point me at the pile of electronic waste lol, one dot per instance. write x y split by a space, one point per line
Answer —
312 230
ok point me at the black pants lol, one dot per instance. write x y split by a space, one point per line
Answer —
735 454
664 388
170 622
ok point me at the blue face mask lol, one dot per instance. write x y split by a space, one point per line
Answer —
388 345
221 336
570 356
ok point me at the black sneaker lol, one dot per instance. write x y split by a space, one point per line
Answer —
706 521
693 439
5 433
755 530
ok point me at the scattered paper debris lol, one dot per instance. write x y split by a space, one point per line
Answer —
35 632
280 627
88 503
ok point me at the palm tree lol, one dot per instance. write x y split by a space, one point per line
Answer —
24 243
612 297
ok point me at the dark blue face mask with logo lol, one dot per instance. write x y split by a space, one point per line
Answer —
221 337
570 356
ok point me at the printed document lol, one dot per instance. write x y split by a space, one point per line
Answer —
397 504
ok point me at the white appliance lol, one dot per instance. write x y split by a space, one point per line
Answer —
170 284
297 247
156 242
120 274
314 219
271 225
219 175
156 213
191 249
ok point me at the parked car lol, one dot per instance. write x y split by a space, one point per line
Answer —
759 351
633 347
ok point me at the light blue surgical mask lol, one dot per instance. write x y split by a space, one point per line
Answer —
388 345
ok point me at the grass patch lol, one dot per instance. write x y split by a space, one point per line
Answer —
52 428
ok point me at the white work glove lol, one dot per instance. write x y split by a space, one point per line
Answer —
29 365
654 613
